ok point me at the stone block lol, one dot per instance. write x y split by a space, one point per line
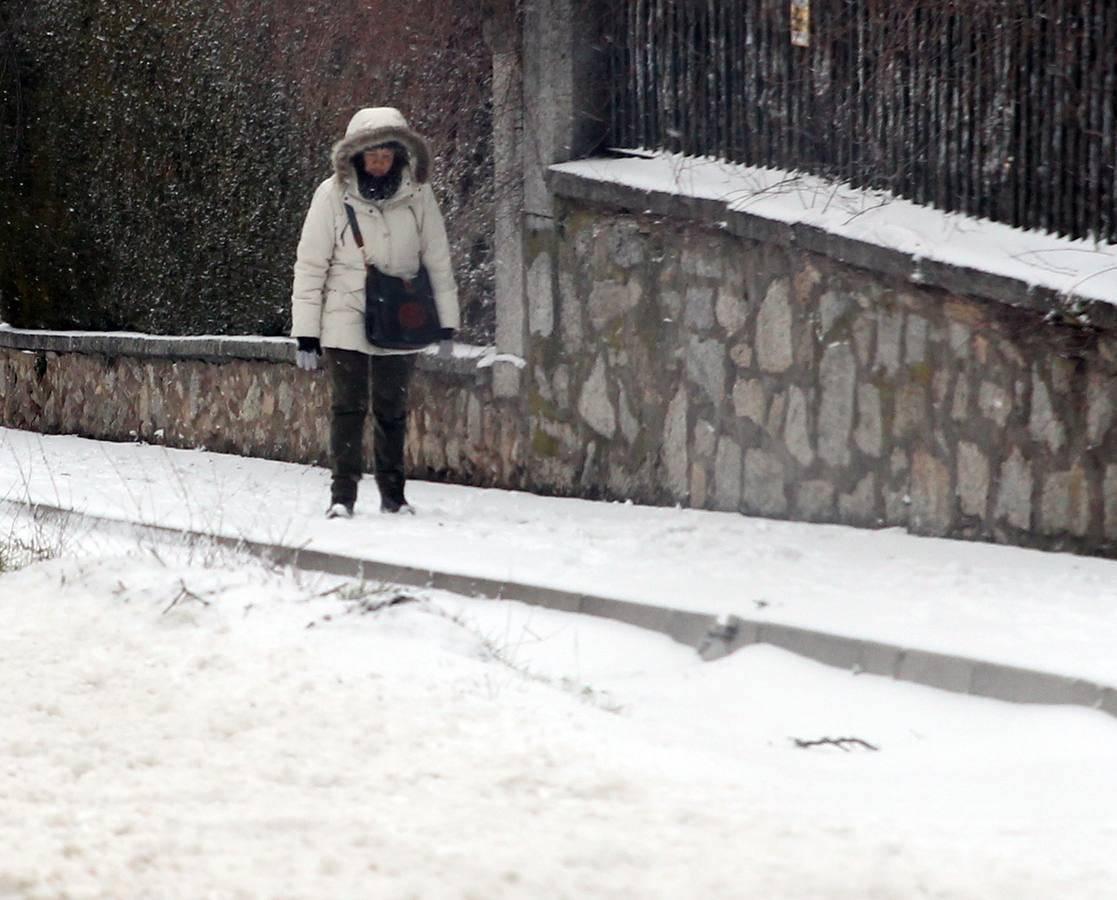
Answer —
910 416
960 407
958 336
610 300
1014 491
625 246
774 348
1064 503
940 389
541 296
837 376
1109 498
869 434
764 483
675 433
776 413
1062 375
859 507
806 279
727 475
731 310
671 302
1043 423
706 367
973 479
932 510
705 440
915 340
797 433
1099 408
594 405
890 324
630 426
741 354
698 313
814 501
994 402
703 261
570 313
562 386
832 309
699 485
863 330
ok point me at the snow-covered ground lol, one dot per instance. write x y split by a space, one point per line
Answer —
1075 268
187 723
1047 611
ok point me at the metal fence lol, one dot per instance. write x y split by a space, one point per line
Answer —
1005 109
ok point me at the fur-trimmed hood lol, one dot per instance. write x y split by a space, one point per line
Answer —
378 125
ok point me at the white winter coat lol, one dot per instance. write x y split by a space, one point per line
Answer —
400 233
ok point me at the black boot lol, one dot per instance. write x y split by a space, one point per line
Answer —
391 495
343 497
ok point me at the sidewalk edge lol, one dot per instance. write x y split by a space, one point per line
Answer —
711 637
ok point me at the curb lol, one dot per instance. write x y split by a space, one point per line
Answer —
711 637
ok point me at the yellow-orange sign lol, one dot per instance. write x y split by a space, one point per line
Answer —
801 23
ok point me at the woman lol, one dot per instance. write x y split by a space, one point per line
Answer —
381 169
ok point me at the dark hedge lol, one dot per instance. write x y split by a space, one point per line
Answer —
156 159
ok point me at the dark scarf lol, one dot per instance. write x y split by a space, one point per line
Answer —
380 188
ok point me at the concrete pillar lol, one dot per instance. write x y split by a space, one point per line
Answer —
565 89
549 90
508 129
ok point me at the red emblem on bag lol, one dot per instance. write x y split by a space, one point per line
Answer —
411 315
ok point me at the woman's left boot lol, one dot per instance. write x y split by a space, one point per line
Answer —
391 495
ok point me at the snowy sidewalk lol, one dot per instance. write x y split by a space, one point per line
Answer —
1053 613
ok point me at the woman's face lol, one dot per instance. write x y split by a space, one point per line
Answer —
378 162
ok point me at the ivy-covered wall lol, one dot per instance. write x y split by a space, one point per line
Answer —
156 159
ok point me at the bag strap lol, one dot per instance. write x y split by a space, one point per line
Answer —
356 229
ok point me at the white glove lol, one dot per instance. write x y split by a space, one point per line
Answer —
445 349
306 357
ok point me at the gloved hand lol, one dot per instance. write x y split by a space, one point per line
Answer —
446 343
306 357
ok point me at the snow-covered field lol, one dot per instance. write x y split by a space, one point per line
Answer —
185 722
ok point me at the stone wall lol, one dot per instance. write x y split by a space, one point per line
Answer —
671 362
242 396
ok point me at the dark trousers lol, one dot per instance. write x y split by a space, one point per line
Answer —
349 384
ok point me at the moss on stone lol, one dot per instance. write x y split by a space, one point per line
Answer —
535 243
575 220
615 336
542 444
541 406
922 372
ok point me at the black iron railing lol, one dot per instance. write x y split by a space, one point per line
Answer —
1005 109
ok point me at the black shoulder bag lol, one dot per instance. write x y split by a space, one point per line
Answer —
400 313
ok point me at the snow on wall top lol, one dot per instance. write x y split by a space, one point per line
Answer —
1074 268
